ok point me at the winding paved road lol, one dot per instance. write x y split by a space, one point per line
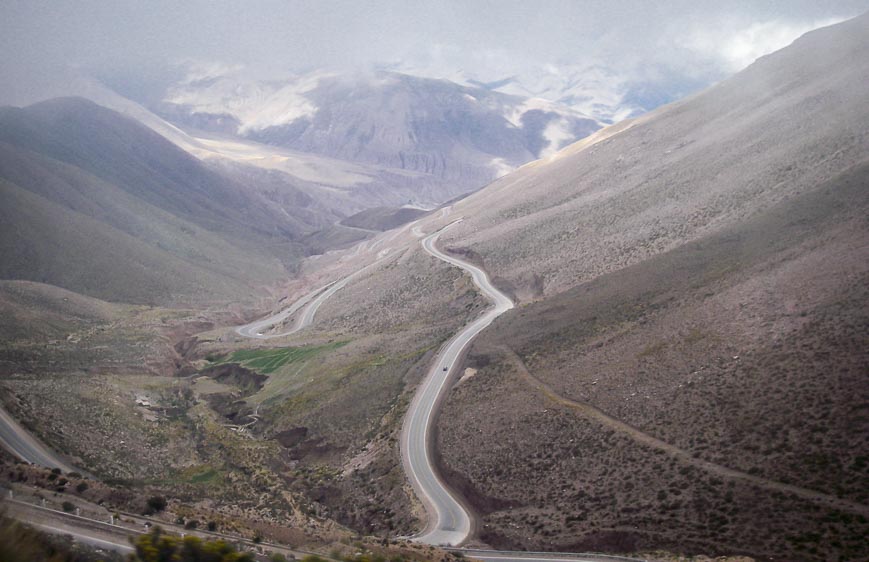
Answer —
106 536
255 329
449 522
116 536
516 556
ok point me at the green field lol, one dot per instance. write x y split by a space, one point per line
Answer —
267 361
203 477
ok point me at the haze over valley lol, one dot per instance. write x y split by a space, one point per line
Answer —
423 282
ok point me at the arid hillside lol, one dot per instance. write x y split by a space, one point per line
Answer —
709 399
96 203
687 361
789 122
687 369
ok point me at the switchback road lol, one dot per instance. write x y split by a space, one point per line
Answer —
449 521
309 304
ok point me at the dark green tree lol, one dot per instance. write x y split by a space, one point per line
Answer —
156 504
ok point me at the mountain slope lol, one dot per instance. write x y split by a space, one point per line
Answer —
334 186
787 123
97 204
136 159
462 134
688 346
695 290
737 351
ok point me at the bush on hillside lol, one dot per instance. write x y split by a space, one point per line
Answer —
157 546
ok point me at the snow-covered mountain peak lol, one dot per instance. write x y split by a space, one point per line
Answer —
452 131
255 105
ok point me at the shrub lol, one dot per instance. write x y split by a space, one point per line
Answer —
156 504
157 546
81 487
68 507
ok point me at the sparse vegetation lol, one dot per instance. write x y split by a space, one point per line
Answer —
158 546
21 543
267 361
726 392
156 504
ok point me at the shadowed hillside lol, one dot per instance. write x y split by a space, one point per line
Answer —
383 218
98 204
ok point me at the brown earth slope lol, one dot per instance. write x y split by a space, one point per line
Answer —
719 245
789 122
687 366
709 399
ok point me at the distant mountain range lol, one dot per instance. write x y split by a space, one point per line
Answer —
373 139
242 179
593 89
462 134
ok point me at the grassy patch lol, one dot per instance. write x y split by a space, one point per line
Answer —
267 361
206 476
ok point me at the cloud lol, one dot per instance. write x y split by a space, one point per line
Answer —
736 48
703 40
197 71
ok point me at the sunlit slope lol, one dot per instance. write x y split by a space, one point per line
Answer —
790 121
688 369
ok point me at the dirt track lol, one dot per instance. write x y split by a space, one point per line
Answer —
683 456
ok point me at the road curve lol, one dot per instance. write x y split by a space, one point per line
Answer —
311 303
20 443
449 521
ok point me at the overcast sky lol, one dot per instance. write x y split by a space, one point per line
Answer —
278 36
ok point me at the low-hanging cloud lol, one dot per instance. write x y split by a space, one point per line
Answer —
491 40
735 49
